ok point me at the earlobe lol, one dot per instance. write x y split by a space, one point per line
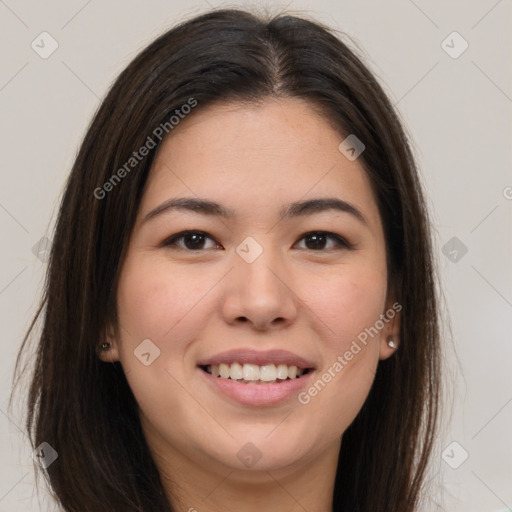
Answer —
390 340
107 352
389 345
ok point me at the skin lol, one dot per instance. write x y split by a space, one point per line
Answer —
194 303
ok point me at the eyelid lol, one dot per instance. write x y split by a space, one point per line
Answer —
171 239
341 241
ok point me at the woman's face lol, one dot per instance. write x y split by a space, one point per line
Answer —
253 281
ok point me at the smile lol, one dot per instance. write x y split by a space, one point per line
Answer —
255 374
253 390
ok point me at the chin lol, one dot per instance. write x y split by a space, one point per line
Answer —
256 450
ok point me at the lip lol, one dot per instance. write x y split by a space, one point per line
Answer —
257 395
251 356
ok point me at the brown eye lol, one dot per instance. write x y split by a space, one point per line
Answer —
317 241
189 240
198 240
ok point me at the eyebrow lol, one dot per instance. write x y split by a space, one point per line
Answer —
292 210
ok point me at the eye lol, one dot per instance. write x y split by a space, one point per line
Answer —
195 241
316 241
192 240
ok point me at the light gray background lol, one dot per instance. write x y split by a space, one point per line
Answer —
457 110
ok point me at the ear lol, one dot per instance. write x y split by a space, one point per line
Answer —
108 349
391 331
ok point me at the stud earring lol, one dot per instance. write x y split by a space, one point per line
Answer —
391 343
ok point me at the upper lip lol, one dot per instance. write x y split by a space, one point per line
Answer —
251 356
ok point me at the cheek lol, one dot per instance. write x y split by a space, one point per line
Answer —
347 303
152 299
350 301
153 304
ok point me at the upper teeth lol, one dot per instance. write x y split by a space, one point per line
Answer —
268 372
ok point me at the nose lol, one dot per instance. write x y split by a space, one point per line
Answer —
260 293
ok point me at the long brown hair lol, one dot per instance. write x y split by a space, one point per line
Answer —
84 408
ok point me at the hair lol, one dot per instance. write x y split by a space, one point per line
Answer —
76 402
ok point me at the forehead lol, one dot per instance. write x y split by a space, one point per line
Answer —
254 158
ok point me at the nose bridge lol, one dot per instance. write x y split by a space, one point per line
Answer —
257 263
261 294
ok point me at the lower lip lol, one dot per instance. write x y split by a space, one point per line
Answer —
258 395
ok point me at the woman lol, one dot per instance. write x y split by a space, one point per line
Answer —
240 308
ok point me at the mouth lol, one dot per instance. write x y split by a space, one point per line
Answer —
256 378
252 385
253 374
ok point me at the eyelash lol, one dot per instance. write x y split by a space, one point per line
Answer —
171 241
